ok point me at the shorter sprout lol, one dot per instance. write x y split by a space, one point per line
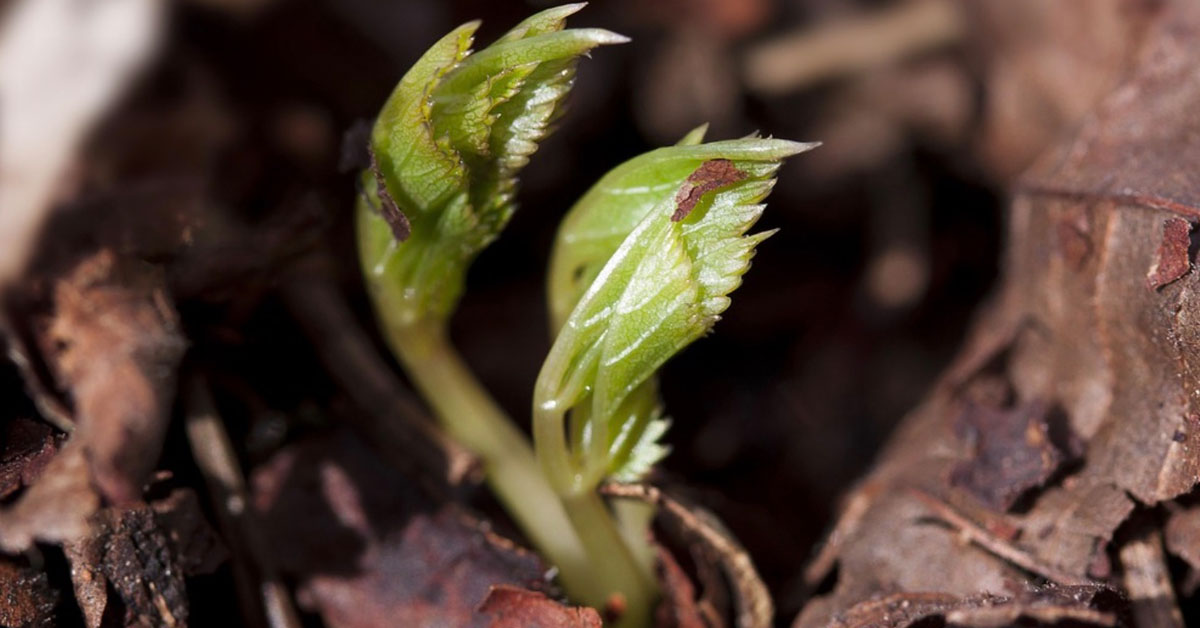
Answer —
642 266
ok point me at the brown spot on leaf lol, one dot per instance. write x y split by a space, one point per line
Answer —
1172 261
388 208
513 607
713 174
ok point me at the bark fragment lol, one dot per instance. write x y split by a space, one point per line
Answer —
132 552
1172 261
1182 538
26 598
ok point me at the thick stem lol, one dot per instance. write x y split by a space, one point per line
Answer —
613 561
576 532
473 418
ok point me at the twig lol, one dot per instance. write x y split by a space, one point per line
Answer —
801 59
1147 581
755 608
392 418
48 406
269 600
993 544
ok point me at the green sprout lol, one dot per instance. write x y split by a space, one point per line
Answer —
642 266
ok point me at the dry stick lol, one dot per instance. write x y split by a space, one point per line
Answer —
798 60
755 608
48 406
1148 583
227 487
392 419
990 542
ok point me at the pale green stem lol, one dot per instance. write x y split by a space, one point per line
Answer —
474 419
572 528
613 561
613 557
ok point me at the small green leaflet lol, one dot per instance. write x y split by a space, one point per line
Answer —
446 149
644 264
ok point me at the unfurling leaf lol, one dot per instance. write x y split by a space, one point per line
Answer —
604 216
643 264
446 149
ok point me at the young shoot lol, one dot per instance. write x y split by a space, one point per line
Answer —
642 266
445 153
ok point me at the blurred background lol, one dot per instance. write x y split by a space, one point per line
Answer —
890 234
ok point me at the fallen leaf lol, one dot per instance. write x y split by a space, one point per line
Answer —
678 608
1074 328
1044 606
28 446
513 607
387 555
113 328
1012 453
54 509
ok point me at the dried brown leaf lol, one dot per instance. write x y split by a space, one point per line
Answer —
28 446
55 508
1012 452
513 607
1075 327
678 608
386 555
1043 606
115 330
